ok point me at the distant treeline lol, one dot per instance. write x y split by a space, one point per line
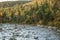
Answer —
37 14
12 3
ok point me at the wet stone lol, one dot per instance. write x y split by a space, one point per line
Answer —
28 31
15 28
35 37
21 36
3 39
27 36
16 35
12 39
1 29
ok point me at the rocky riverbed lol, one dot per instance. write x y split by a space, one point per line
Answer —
28 32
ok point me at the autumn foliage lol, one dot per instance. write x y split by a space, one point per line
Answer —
43 14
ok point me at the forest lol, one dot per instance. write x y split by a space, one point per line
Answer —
42 14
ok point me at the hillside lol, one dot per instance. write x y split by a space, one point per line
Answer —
35 12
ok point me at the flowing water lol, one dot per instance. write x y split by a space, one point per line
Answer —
27 32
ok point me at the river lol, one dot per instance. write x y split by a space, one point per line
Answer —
27 32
